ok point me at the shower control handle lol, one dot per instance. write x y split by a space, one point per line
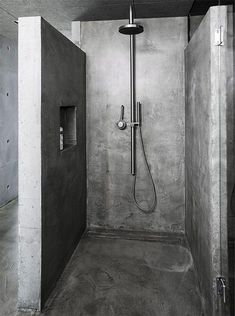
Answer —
121 124
122 113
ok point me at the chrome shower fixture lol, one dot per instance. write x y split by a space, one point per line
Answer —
121 124
135 109
132 29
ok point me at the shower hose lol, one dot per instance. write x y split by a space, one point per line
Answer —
151 208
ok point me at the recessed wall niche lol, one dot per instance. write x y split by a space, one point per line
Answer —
68 135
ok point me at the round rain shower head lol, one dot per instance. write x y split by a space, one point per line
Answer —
131 29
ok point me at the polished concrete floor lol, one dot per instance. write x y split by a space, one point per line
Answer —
108 277
117 277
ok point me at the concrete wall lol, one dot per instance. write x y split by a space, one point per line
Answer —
160 88
52 183
207 164
194 22
231 162
8 120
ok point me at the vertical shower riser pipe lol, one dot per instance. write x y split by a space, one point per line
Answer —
132 103
132 97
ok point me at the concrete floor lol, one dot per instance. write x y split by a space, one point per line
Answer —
8 259
108 276
127 278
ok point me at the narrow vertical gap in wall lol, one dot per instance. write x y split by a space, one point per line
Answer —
188 19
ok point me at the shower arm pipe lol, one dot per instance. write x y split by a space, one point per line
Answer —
132 97
131 19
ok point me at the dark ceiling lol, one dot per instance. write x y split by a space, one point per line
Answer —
60 13
200 7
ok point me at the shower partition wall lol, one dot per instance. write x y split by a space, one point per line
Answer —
52 182
209 140
231 206
227 150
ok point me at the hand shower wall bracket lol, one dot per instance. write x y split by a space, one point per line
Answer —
137 113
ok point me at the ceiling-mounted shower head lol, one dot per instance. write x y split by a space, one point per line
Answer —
131 28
